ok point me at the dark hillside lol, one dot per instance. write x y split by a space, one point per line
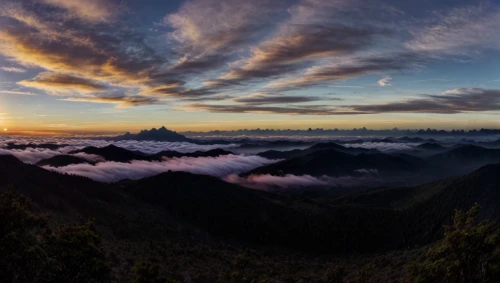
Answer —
176 202
61 160
334 163
114 153
465 158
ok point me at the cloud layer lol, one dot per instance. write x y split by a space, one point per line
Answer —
291 182
214 166
148 147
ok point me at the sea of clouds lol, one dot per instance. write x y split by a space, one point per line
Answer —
148 147
290 181
226 167
383 146
214 166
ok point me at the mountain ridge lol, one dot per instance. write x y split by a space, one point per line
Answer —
161 134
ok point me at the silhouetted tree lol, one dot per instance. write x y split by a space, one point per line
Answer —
23 257
79 254
335 274
469 252
149 272
31 252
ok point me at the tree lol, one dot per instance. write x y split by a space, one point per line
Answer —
469 252
79 254
23 255
31 252
149 272
335 274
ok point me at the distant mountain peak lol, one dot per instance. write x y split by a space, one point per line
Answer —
161 134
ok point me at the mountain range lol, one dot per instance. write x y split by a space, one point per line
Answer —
376 220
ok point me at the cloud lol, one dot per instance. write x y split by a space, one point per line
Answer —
450 102
367 171
34 155
120 101
214 166
212 50
78 56
353 67
57 82
315 30
87 10
458 31
209 31
92 158
269 181
152 147
17 92
263 98
148 147
208 98
287 182
298 110
13 69
382 146
178 91
384 81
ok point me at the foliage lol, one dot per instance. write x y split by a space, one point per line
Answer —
149 272
31 252
79 254
24 258
335 274
469 252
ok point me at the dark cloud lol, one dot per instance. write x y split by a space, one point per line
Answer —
198 65
315 30
120 101
179 91
450 102
258 99
355 67
299 110
208 98
86 47
208 32
62 83
78 55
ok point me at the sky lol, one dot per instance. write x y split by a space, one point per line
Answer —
103 66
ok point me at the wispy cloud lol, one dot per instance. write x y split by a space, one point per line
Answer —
263 98
120 101
291 110
13 69
214 166
458 31
243 56
62 83
315 30
385 81
354 67
78 55
450 102
17 92
87 10
290 182
209 31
